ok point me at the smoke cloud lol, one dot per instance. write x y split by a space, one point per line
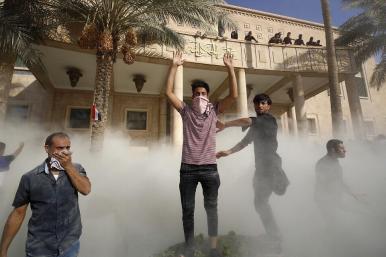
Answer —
134 207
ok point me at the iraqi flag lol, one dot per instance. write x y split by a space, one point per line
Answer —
95 114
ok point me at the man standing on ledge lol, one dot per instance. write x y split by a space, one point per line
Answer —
199 150
269 176
52 190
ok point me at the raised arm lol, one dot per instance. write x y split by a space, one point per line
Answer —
228 100
18 150
81 183
173 99
12 226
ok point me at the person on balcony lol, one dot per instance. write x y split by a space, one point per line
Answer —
288 40
311 42
234 34
249 37
276 39
299 41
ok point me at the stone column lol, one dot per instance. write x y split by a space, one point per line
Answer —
355 106
284 124
176 117
292 124
162 118
299 104
242 100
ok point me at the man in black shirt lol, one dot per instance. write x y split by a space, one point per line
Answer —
249 37
269 176
234 34
330 186
311 42
276 39
288 40
299 41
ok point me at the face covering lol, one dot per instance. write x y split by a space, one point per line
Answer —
55 164
200 104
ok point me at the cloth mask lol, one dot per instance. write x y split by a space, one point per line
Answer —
200 104
55 164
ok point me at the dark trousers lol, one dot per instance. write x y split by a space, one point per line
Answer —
263 187
190 176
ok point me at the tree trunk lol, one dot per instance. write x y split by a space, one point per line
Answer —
7 65
336 105
104 72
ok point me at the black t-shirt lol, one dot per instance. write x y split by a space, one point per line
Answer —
5 161
287 41
299 42
263 133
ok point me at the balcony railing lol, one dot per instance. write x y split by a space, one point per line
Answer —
207 50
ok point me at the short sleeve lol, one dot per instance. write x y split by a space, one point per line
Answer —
81 170
182 111
22 196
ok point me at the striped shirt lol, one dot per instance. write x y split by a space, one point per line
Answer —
199 131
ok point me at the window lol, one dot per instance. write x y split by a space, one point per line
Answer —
270 30
246 26
19 64
79 118
258 27
17 113
136 120
360 83
311 125
369 127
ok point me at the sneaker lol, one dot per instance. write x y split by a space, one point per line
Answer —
214 253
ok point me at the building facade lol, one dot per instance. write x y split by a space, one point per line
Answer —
294 76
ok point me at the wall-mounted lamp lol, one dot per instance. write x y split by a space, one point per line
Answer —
139 81
74 75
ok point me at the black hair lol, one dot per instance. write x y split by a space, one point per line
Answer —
262 98
332 144
200 83
50 138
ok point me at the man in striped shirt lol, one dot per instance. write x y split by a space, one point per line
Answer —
199 150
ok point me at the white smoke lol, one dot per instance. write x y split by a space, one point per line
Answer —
134 207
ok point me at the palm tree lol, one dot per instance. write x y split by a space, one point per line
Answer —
113 26
366 33
335 101
21 24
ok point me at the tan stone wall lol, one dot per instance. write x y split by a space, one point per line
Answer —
264 26
26 90
374 107
63 100
124 102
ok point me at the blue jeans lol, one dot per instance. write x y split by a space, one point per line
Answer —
190 176
73 251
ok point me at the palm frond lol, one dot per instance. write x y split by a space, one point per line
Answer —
150 32
379 75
